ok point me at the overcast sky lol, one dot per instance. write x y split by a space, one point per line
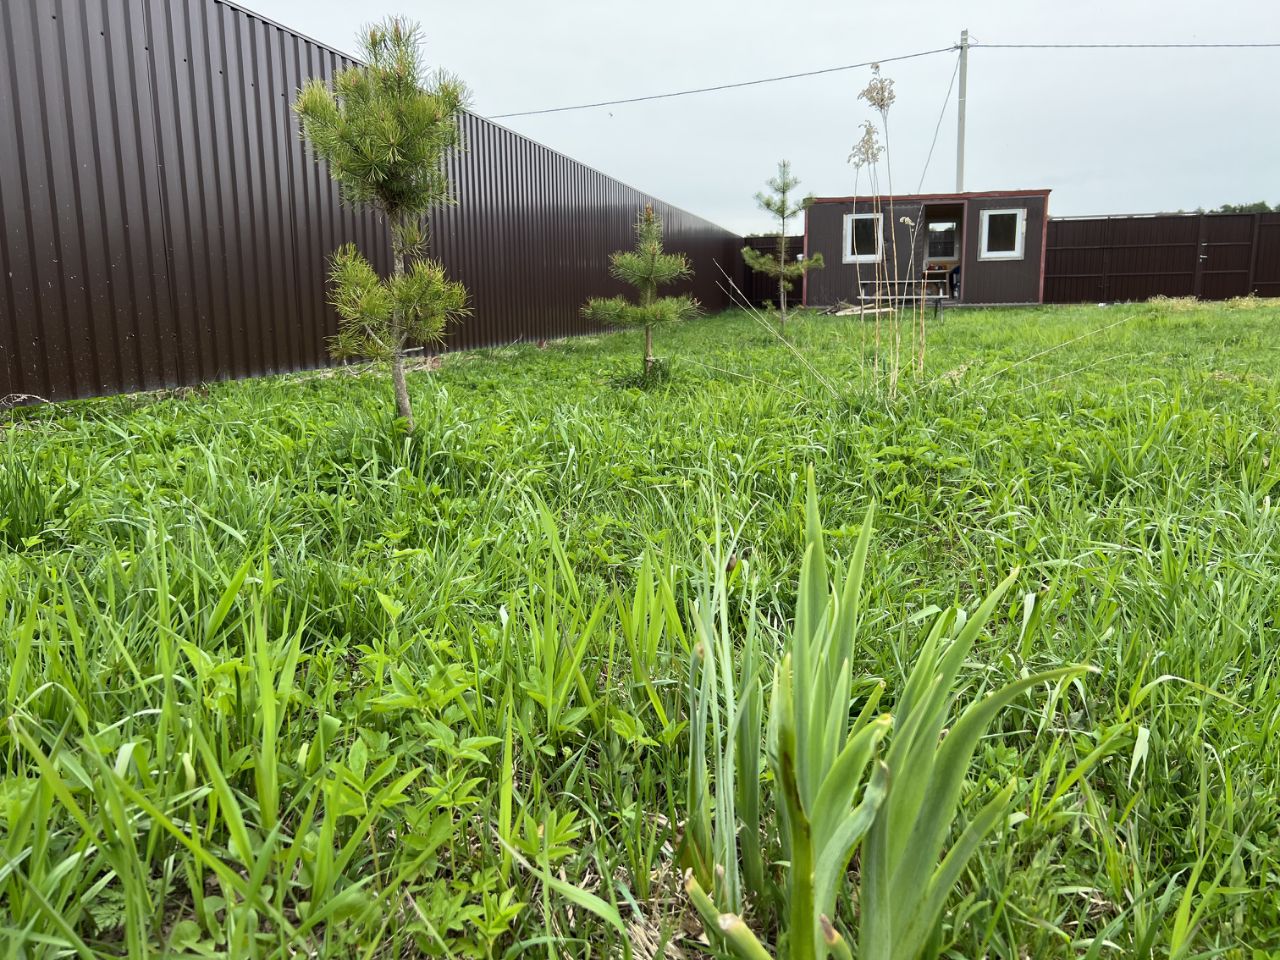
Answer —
1109 131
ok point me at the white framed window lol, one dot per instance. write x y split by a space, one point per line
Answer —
863 238
1003 234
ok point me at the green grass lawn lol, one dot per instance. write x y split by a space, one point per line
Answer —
279 681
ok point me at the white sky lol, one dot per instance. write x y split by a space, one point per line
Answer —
1110 131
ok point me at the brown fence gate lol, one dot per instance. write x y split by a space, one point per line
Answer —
1211 256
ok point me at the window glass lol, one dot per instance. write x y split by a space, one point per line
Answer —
1002 233
864 236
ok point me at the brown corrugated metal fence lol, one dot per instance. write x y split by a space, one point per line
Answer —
760 288
162 224
1211 256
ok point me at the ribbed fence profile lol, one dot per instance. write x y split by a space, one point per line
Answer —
760 288
163 224
1213 256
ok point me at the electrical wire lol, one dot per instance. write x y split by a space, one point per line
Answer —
723 86
946 102
1122 46
973 44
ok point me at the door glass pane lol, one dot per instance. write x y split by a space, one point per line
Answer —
942 239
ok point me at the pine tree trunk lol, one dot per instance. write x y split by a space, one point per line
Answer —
648 349
782 269
782 302
403 406
402 392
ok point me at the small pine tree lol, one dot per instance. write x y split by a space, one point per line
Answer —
646 268
778 203
385 129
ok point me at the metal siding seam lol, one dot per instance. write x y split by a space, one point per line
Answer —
168 347
326 198
502 173
506 177
35 315
307 343
470 257
198 241
467 217
520 221
72 257
291 319
520 246
456 266
470 236
174 183
134 218
315 213
247 206
320 215
82 347
509 173
127 315
543 241
15 381
276 319
236 319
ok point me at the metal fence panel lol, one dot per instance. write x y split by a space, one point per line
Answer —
1212 256
1265 268
760 288
162 223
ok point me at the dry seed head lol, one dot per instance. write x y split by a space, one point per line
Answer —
866 152
879 91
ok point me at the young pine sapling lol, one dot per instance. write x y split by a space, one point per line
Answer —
647 267
779 203
385 129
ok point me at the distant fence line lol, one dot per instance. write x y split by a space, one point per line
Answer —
164 225
1212 256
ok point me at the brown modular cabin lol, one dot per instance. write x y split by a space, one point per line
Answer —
969 248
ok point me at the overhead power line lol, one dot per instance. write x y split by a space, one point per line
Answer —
868 63
1122 46
723 86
